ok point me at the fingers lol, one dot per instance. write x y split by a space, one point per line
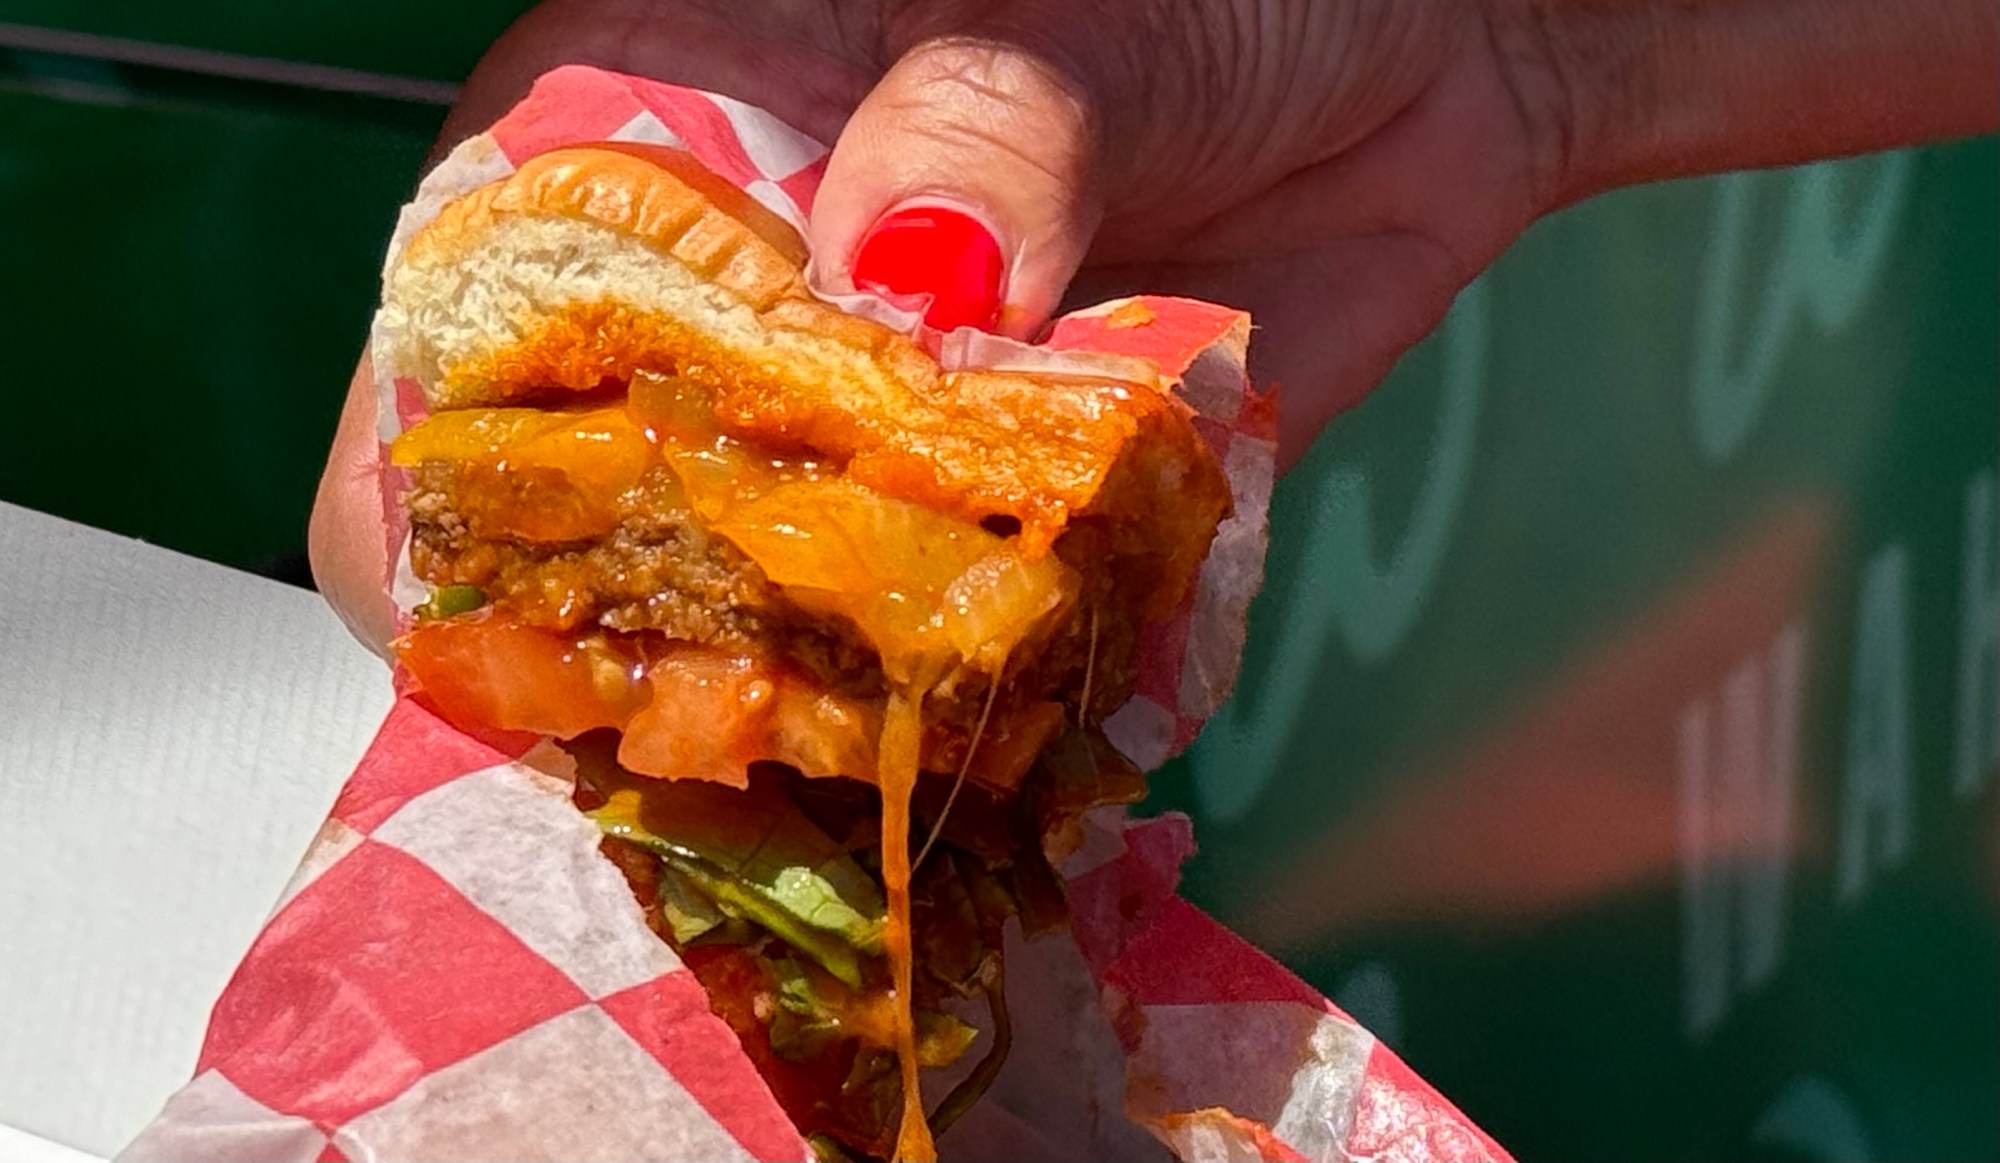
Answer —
348 540
969 173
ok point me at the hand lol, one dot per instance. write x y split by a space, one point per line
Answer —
1340 168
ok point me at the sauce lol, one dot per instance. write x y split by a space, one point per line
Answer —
896 770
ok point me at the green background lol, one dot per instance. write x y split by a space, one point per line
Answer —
1671 428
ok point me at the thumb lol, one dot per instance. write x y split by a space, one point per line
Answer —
970 174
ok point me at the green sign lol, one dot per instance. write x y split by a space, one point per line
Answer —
1620 725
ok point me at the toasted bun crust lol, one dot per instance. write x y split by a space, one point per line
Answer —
657 196
588 264
543 258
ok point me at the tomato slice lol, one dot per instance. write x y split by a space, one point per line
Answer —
712 714
492 673
686 711
703 720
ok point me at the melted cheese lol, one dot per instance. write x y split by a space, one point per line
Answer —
902 731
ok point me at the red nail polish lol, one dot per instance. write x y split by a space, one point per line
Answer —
932 250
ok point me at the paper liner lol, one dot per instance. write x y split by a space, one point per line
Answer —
456 973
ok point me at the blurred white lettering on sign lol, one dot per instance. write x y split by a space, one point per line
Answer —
1820 270
1342 584
1810 1118
1738 768
1977 751
1875 802
1376 600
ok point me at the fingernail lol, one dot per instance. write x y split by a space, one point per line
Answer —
936 251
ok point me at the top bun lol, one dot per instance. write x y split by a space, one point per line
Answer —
589 264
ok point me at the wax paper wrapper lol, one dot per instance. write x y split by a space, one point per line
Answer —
456 972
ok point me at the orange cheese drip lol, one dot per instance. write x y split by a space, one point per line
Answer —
896 769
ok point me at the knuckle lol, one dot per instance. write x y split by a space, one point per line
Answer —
984 96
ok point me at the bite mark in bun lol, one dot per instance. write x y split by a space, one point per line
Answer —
718 532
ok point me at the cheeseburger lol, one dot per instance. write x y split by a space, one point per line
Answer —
829 630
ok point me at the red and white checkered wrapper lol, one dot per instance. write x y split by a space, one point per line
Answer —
455 972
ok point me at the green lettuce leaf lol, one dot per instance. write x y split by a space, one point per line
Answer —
753 854
689 914
810 1016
